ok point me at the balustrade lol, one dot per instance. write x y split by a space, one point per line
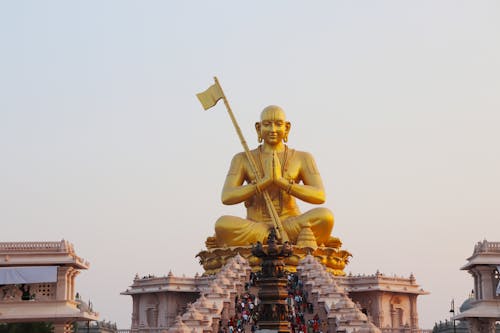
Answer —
36 291
486 246
32 246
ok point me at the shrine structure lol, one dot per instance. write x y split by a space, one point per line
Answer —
268 180
483 309
387 302
37 284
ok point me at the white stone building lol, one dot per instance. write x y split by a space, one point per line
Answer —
484 309
37 284
373 303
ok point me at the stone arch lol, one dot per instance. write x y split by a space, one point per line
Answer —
397 312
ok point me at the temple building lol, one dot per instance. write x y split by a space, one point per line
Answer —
483 310
362 303
390 301
158 300
37 284
268 181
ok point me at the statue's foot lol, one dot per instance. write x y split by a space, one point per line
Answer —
333 242
211 242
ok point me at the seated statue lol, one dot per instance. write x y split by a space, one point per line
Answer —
286 174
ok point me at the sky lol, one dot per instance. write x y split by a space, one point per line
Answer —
103 142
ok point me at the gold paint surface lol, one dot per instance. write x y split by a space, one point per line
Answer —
286 175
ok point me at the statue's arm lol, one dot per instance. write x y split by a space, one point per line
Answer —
311 190
234 191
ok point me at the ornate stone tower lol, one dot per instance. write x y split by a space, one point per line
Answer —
484 266
272 283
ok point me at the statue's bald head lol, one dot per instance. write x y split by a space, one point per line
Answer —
273 119
272 112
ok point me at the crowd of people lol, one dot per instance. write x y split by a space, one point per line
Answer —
245 314
300 310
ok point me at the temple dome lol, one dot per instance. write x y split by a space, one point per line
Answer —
467 304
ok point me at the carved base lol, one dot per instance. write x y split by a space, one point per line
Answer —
333 258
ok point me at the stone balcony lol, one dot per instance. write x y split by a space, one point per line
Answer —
37 283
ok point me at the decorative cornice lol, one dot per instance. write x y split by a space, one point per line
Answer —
40 253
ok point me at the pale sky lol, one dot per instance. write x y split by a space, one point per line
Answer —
103 142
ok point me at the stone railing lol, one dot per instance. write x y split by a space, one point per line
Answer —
381 276
33 246
485 246
63 247
43 291
109 326
448 326
37 292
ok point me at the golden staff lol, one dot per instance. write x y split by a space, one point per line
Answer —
209 98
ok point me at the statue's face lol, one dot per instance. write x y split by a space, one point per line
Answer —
273 126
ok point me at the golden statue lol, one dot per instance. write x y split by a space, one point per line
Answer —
285 174
268 180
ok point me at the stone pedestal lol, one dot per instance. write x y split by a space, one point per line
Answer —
333 258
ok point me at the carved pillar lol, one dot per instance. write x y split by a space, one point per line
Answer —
62 283
69 282
413 312
73 275
476 283
378 309
479 284
135 311
71 285
486 273
380 317
394 317
142 311
162 310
